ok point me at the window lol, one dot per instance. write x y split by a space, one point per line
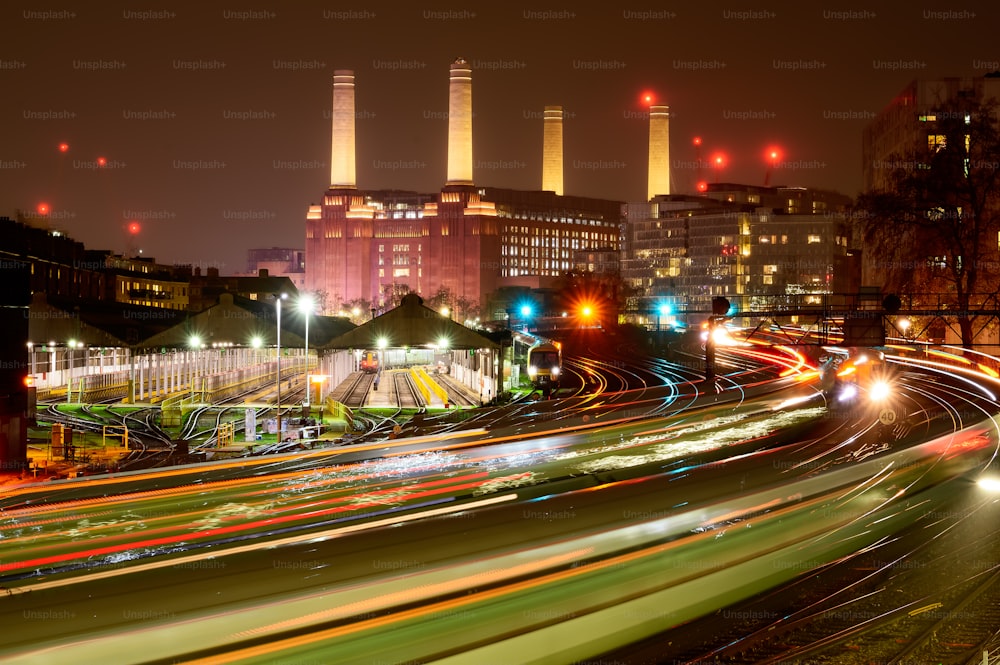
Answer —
814 238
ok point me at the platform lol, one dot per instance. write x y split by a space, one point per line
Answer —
385 396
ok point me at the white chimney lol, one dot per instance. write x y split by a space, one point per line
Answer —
460 124
659 150
552 147
342 160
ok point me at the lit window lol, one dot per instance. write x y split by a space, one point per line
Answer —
814 238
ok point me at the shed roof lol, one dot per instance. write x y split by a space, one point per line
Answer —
412 324
239 320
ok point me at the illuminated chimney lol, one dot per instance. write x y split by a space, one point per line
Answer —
342 162
659 150
460 124
552 146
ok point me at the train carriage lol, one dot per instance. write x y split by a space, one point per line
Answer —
545 365
369 362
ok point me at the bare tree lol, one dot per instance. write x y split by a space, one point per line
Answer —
935 234
321 297
443 297
392 294
358 310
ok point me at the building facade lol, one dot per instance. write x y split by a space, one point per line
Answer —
278 262
748 244
907 127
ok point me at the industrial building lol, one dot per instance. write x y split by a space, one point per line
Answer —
377 245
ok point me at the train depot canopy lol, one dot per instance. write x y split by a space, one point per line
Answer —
411 325
239 321
92 323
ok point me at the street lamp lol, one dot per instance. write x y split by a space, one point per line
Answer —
277 309
526 311
69 370
904 326
306 306
663 310
195 343
255 343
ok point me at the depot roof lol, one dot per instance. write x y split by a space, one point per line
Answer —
412 324
237 321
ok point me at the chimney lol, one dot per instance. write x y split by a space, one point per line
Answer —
342 162
552 146
460 124
659 150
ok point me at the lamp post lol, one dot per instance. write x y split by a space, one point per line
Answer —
277 309
662 311
69 370
526 311
70 357
306 306
195 343
904 326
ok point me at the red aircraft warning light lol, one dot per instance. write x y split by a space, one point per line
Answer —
772 154
64 147
43 208
134 228
102 161
718 162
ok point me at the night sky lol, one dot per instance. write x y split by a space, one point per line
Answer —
214 119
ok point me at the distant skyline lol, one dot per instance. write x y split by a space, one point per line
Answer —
215 122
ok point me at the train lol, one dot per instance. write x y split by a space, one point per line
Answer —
370 362
846 372
545 365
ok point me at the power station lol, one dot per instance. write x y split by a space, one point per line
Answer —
375 245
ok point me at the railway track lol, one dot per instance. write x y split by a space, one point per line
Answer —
931 595
357 392
405 392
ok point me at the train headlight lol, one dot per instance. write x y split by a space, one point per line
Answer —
990 484
848 391
555 371
532 370
879 391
